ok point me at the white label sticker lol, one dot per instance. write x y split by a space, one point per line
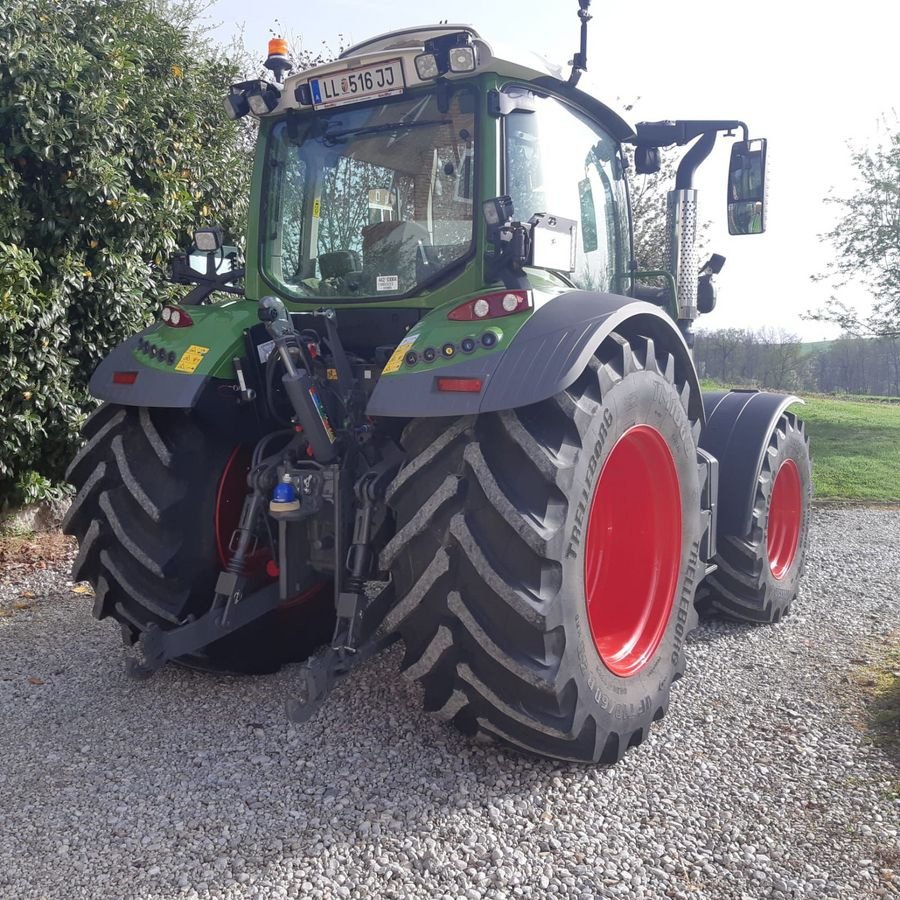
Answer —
387 282
265 350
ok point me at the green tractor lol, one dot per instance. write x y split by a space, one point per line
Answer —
445 407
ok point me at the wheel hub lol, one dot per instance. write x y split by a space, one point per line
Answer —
633 550
785 518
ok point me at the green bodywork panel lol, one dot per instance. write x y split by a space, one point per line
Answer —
217 331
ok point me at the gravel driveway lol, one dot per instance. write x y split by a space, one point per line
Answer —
760 783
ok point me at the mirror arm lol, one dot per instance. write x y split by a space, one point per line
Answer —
682 131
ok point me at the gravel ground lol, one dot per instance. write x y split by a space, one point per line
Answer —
760 783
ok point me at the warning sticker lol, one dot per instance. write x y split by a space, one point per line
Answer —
396 359
317 208
264 350
191 358
329 432
387 282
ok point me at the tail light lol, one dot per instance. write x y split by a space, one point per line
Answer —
492 306
456 385
175 317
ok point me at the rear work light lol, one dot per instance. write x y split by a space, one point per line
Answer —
175 317
492 306
459 385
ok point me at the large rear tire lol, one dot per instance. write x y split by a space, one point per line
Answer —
546 559
759 570
157 497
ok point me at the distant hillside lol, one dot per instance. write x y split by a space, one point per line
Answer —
776 360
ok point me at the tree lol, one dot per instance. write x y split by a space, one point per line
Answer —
648 210
113 147
867 241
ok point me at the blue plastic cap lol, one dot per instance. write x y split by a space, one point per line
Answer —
284 492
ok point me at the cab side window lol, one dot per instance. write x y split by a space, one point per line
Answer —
559 162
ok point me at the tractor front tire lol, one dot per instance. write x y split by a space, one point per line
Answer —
759 569
546 559
157 498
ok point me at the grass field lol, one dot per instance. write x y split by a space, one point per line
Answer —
855 447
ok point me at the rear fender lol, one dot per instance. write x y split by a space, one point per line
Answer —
193 361
738 427
548 353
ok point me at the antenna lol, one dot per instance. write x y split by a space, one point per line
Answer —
579 61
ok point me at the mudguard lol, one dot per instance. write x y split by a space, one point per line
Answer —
194 364
548 353
738 427
150 387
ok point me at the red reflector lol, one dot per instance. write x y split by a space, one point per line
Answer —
124 377
459 385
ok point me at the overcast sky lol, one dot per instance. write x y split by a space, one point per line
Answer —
809 76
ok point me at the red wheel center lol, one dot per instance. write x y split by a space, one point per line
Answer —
785 518
633 550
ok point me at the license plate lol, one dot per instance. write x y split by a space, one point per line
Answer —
379 80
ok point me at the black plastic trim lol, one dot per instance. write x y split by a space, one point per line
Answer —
620 128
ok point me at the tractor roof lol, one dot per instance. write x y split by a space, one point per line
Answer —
408 43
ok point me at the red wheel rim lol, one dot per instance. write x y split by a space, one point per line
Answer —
785 518
633 550
230 500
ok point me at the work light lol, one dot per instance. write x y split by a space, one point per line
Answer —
236 106
462 59
263 101
208 240
427 66
497 211
256 96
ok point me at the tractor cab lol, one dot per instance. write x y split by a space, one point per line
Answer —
374 173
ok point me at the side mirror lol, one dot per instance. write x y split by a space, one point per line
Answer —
747 188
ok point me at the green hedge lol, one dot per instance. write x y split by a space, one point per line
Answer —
113 146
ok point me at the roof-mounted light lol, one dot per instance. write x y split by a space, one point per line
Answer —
264 99
453 52
427 66
257 96
278 60
236 106
462 59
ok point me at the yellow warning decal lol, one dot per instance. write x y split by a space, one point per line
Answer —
331 374
396 360
191 358
317 208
